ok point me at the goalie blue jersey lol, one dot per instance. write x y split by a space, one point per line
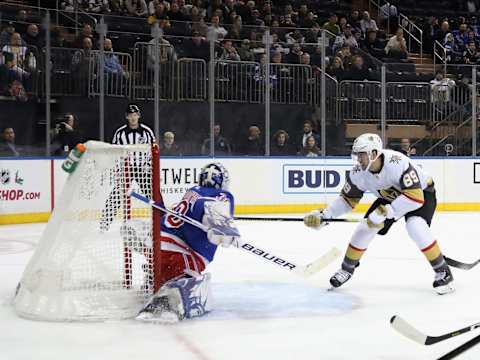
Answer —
192 205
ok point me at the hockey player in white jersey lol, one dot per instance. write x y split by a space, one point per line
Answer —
403 190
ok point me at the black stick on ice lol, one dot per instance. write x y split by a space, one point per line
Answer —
412 333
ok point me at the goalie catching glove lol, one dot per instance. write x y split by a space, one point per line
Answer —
221 229
316 219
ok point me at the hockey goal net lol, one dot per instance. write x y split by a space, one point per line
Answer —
95 259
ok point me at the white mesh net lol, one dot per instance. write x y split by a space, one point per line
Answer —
94 260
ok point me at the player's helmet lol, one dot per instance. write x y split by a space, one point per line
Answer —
132 108
214 175
366 143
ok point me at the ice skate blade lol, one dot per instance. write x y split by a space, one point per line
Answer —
445 289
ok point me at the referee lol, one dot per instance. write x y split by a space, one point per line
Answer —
133 132
135 168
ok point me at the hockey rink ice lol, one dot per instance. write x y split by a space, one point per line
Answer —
263 312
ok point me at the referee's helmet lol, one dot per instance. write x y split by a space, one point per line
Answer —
133 108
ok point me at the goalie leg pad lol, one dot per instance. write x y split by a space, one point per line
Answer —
187 297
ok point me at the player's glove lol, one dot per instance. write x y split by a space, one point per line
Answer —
315 219
379 215
218 238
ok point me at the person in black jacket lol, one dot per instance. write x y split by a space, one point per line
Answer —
281 145
66 134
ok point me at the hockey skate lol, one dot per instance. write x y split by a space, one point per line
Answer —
443 281
340 277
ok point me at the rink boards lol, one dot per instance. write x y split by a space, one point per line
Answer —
29 187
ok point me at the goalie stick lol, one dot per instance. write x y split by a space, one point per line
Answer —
452 262
266 255
412 333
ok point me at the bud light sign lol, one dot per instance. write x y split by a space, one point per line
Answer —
314 178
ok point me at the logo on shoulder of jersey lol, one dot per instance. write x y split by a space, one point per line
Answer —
142 140
395 159
356 169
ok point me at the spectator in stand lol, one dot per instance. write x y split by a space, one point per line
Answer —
11 78
387 16
115 74
472 37
66 135
310 149
80 65
367 23
87 31
197 47
160 15
354 20
336 69
461 37
216 28
441 89
25 61
21 21
246 54
373 45
293 57
405 147
168 147
6 34
331 25
281 145
152 6
229 52
345 38
98 6
136 8
397 46
308 131
253 145
358 71
343 22
222 145
7 143
175 13
453 53
442 33
167 52
471 55
32 37
346 55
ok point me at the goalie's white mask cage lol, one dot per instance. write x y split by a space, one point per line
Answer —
95 259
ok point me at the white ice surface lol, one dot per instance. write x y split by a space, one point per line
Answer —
265 313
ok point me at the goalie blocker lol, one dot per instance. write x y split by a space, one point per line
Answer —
186 250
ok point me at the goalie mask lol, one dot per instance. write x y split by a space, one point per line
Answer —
366 143
214 175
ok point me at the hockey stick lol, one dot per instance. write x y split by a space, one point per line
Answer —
461 265
290 219
412 333
302 270
462 348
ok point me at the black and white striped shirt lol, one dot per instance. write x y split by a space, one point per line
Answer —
128 136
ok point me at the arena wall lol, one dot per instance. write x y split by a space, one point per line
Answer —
30 187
